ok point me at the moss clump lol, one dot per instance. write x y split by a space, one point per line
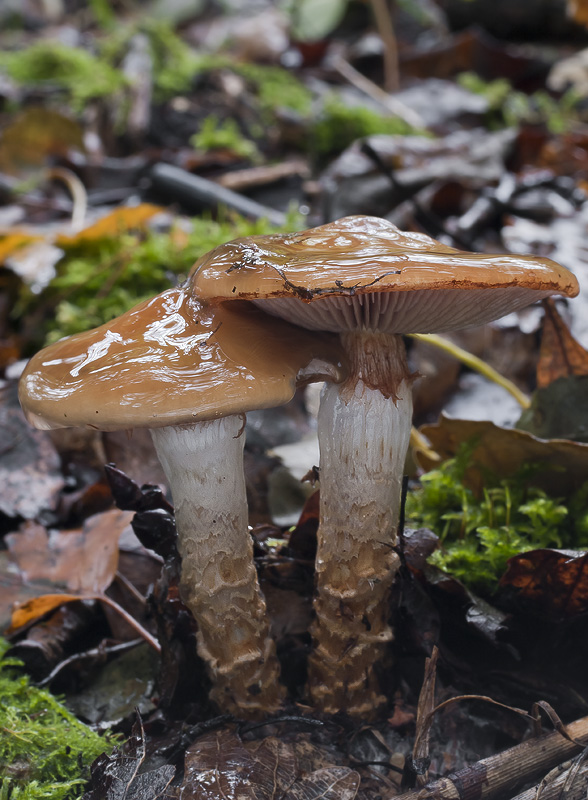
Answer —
45 752
99 279
479 534
225 135
80 74
507 106
339 125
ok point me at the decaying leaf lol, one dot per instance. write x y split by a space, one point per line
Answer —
118 776
47 569
561 355
124 218
554 581
82 560
221 765
561 466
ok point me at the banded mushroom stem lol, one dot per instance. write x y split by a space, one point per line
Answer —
364 430
204 466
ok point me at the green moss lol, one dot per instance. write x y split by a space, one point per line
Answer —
98 280
507 106
45 752
275 87
225 135
80 74
339 125
479 534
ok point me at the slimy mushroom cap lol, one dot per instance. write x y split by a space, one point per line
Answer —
171 361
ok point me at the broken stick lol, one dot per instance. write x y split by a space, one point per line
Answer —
498 775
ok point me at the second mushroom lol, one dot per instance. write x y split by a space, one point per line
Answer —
189 373
369 282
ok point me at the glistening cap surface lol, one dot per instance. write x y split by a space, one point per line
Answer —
172 361
364 272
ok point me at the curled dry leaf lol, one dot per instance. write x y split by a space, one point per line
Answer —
561 355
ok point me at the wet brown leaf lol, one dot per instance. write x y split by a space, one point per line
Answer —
561 355
221 765
554 581
562 465
34 135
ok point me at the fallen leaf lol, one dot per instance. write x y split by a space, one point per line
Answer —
221 765
121 775
562 466
34 135
120 220
82 560
554 581
560 355
38 607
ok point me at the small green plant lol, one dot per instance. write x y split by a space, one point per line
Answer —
79 73
45 752
510 107
479 534
339 125
225 135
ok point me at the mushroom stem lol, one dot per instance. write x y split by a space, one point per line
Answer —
364 430
204 466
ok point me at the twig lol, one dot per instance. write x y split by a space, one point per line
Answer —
473 362
386 30
136 626
499 775
424 720
567 781
392 104
78 193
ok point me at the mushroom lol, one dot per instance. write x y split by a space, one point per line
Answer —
370 282
189 373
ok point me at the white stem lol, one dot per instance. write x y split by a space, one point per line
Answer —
204 466
363 435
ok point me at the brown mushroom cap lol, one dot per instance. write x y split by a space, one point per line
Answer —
410 282
171 361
